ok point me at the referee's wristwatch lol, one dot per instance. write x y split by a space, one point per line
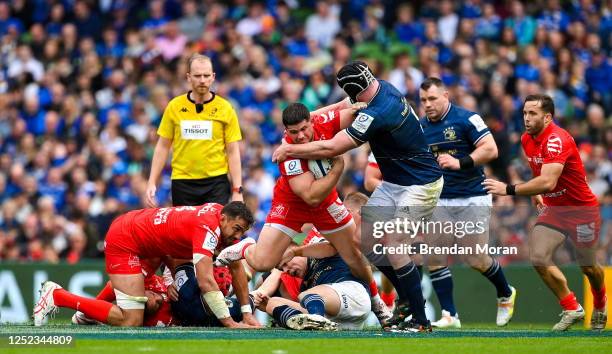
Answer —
238 190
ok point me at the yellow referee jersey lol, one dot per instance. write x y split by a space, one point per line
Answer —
198 139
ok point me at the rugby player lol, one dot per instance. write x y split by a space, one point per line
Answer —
330 297
185 232
299 198
157 313
569 209
373 178
412 179
463 144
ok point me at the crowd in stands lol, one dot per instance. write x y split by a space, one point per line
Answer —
83 85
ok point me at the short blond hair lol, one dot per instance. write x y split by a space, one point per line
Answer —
356 198
197 57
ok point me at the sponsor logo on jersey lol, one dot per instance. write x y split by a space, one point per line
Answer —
554 145
326 117
537 160
555 194
585 232
362 122
196 129
184 109
293 167
161 216
337 211
279 211
134 261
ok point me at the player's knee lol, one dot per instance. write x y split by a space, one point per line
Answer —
481 264
132 308
132 321
590 271
264 265
540 258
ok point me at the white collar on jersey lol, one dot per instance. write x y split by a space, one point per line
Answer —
445 113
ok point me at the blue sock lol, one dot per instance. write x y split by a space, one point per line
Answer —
283 313
410 281
442 281
314 304
380 261
495 274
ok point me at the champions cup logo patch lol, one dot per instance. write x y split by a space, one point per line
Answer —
554 145
362 122
180 279
293 167
210 240
449 133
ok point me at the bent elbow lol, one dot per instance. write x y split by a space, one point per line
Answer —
494 154
313 201
550 185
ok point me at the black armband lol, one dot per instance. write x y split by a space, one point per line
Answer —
466 162
510 189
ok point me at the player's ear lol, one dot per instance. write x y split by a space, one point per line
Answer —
548 117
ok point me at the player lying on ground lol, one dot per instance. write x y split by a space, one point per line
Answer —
186 232
330 295
187 305
157 311
300 198
569 209
162 296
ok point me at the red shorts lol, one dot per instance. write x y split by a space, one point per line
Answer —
120 250
289 217
581 224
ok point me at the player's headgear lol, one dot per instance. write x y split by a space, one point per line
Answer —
354 78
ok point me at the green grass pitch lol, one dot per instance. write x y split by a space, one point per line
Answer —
473 339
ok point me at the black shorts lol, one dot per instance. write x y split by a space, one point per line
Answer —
200 191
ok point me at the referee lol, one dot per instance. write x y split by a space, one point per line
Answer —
202 129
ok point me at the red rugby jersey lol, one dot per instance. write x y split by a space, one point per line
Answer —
325 126
556 145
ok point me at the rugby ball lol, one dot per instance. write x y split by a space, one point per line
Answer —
320 168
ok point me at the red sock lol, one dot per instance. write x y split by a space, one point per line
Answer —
92 308
244 249
569 302
373 288
107 293
388 298
599 297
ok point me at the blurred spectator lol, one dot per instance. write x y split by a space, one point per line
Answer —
83 89
323 25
